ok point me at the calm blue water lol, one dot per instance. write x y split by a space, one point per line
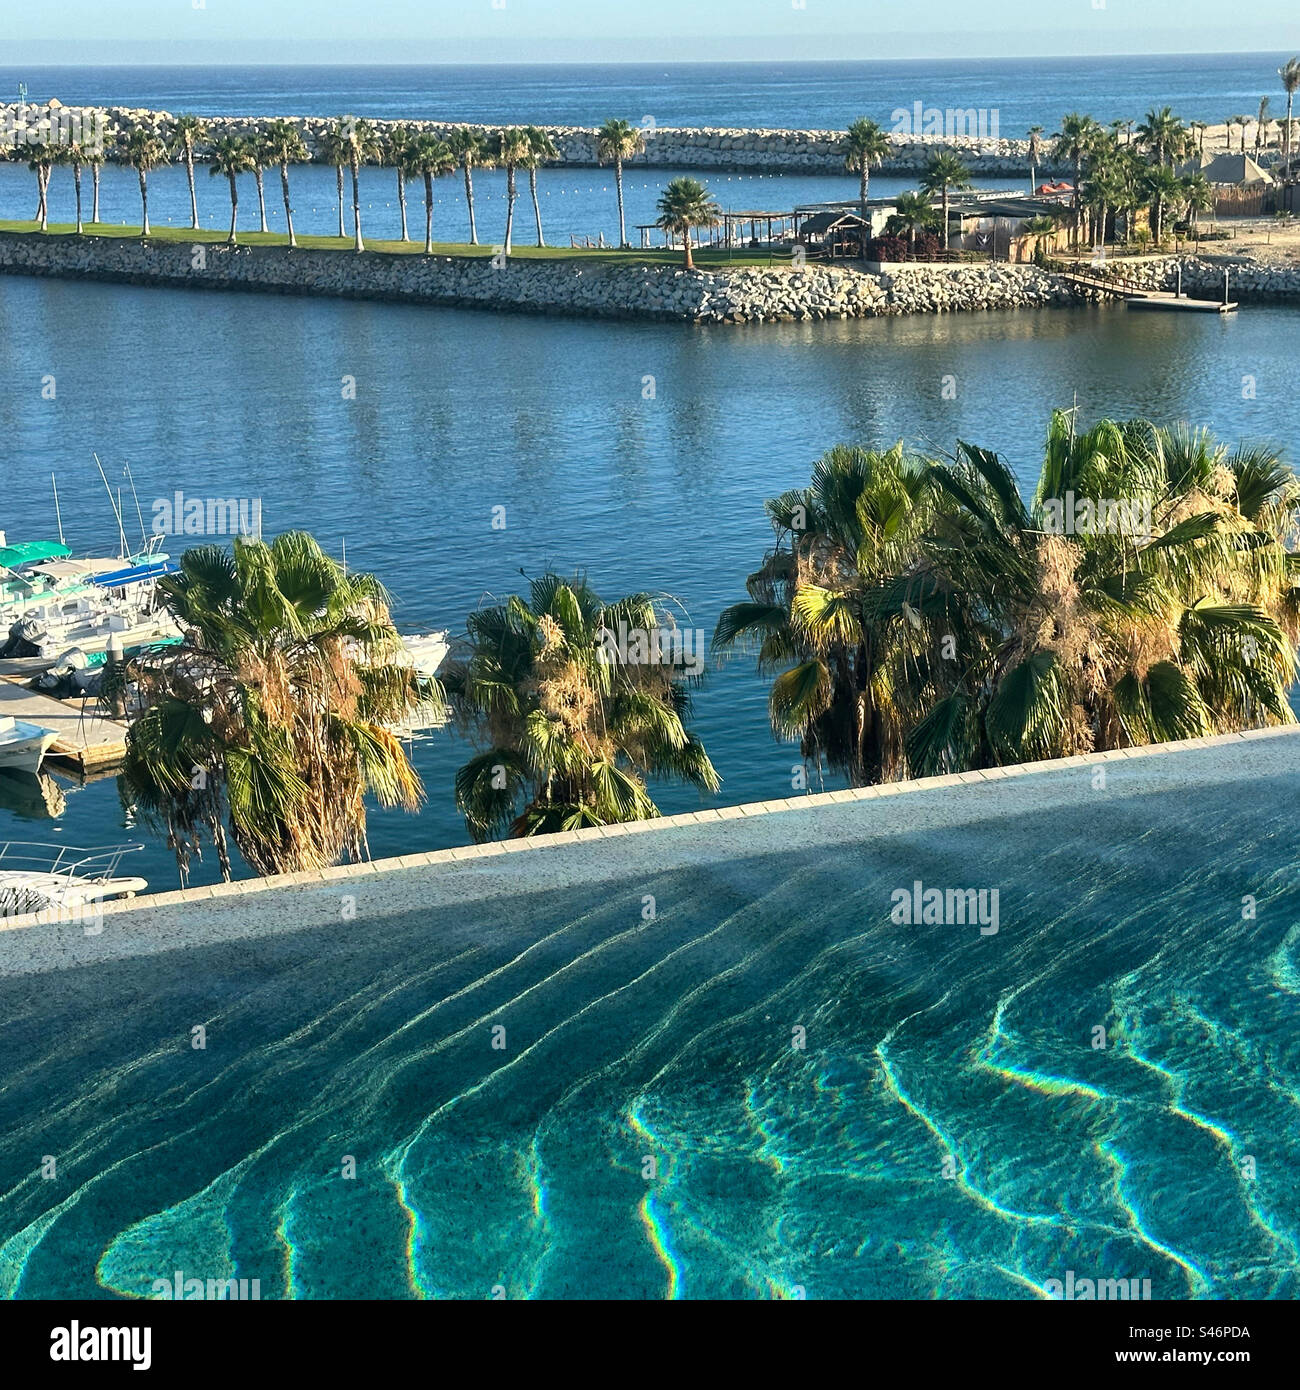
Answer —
457 412
1025 92
947 1130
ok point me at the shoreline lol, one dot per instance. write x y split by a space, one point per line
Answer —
634 290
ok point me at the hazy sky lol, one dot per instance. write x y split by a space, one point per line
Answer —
73 31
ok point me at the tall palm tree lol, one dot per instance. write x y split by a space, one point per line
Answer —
429 158
863 146
1163 135
76 156
1161 187
572 725
1035 155
260 151
1198 196
942 173
284 145
470 148
144 151
363 148
397 143
1241 122
184 134
1076 141
334 148
616 141
92 156
1289 72
683 206
912 213
541 150
923 618
231 156
510 148
286 693
1261 125
1198 129
42 157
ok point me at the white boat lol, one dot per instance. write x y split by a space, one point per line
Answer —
55 878
426 652
23 746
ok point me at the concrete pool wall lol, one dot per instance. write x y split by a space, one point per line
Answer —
355 897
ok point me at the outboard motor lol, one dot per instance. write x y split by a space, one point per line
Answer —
64 677
26 638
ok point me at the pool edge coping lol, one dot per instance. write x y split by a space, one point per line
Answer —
714 815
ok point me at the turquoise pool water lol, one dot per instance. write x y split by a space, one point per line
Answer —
648 1126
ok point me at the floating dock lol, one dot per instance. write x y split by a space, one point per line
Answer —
86 739
1137 298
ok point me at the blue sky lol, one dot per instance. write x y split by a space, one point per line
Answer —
609 30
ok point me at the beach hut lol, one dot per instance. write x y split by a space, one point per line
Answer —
834 235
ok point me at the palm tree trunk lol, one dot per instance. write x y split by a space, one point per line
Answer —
686 238
342 230
401 201
622 223
94 205
537 207
144 201
76 182
1290 96
943 240
234 207
261 197
194 193
1078 209
428 213
43 206
862 190
356 204
469 202
512 193
288 211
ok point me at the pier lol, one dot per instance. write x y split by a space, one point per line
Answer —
85 738
1138 298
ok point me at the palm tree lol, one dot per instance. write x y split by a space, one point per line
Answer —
363 148
571 723
397 145
76 156
510 148
1161 186
1289 72
944 172
1076 141
1044 225
230 157
335 148
1261 125
617 141
912 213
863 146
1198 196
43 158
285 693
470 148
922 618
185 133
1198 129
92 156
429 158
261 154
541 150
684 205
1242 122
284 145
144 151
1163 134
1035 155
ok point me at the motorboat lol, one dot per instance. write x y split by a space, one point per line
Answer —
23 746
61 878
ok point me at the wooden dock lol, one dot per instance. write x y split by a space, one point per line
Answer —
85 739
1137 298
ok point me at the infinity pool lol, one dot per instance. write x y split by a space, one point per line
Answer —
758 1084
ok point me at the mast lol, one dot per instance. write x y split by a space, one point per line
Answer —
58 516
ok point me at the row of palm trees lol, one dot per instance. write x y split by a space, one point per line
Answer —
914 614
348 144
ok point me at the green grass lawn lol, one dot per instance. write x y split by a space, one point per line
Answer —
705 258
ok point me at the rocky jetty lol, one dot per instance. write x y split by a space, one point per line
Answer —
595 287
